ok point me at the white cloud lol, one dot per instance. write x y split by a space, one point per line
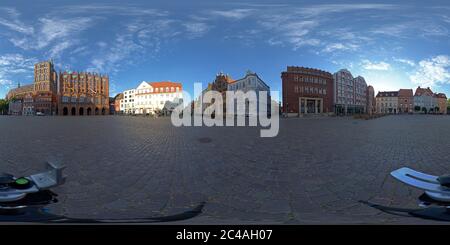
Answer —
236 14
405 61
332 47
61 33
196 29
57 49
62 29
141 39
111 9
380 66
432 71
274 42
11 20
321 9
12 65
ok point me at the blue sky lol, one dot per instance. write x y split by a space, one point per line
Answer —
393 44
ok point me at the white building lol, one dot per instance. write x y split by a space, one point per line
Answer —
350 93
387 102
127 103
152 97
251 82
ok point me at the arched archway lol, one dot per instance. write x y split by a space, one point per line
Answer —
73 111
81 111
103 111
65 111
89 111
97 111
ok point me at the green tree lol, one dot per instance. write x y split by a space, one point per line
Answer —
4 107
424 110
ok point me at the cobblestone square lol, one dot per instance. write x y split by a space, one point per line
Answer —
313 172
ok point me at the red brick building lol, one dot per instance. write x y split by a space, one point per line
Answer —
307 91
405 101
83 93
117 100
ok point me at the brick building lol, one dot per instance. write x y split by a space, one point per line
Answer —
67 94
44 94
441 103
117 99
82 93
370 100
307 91
405 101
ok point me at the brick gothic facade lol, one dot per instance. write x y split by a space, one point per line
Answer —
307 91
41 95
83 93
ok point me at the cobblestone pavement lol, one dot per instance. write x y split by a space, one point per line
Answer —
313 172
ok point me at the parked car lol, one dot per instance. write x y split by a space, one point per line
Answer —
40 113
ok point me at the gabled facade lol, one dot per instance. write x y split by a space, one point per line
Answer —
152 97
387 102
251 82
424 101
350 93
441 103
83 93
405 101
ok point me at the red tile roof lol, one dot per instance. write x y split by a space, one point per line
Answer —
405 93
423 91
440 95
164 84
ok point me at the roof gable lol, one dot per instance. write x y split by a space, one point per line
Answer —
144 85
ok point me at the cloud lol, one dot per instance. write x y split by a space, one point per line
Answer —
235 14
381 66
57 49
432 71
60 28
122 10
12 65
405 61
196 29
139 40
322 9
426 28
61 33
13 22
333 47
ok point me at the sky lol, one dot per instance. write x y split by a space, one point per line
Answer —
392 44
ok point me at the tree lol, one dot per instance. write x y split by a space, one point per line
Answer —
4 104
436 109
424 110
416 108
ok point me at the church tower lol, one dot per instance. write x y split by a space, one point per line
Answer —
44 77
